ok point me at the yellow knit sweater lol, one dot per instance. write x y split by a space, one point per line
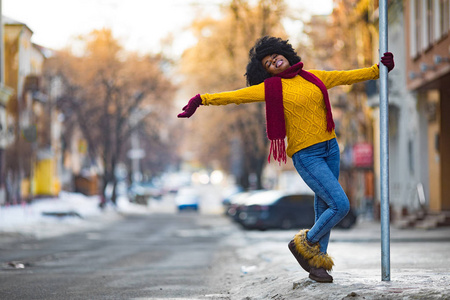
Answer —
304 108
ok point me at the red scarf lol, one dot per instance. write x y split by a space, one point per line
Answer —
276 127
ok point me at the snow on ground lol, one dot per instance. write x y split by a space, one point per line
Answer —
269 271
69 212
261 266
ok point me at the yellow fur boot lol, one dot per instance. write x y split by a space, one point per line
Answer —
312 253
310 258
322 260
303 247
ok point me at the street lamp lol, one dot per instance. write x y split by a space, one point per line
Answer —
136 153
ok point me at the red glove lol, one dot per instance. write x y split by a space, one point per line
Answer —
388 61
191 107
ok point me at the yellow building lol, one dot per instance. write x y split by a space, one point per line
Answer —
26 172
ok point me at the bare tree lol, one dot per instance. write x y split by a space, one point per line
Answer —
217 63
103 89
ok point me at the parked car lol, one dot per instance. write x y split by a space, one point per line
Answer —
187 198
278 209
228 196
141 192
236 202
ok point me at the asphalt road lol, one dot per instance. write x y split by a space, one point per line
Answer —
139 257
205 256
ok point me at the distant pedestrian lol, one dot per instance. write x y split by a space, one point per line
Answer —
298 107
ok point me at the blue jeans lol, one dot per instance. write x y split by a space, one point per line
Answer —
318 165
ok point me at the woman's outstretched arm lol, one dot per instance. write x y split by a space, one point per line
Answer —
250 94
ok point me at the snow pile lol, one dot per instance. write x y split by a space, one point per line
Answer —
262 267
69 212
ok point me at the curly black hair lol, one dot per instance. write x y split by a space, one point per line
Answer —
256 73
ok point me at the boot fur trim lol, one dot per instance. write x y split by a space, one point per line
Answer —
322 260
302 246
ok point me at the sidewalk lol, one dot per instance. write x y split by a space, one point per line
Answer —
419 266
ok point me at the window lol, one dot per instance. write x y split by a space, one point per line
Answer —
441 18
429 36
444 19
418 24
414 27
297 199
429 22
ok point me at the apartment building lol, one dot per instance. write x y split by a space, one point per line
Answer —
427 29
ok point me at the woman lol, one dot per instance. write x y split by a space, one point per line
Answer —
298 107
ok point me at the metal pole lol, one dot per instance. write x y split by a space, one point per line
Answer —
384 146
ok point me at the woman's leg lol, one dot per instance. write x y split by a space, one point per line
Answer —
333 162
320 206
318 165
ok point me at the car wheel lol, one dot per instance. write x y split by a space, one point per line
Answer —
287 223
347 222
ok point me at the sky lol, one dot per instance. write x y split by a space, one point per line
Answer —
140 25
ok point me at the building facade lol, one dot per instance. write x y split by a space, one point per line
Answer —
419 142
408 175
427 30
29 168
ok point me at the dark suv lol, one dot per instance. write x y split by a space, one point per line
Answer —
278 209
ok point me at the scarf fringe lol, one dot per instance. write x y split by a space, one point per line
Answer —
277 150
330 122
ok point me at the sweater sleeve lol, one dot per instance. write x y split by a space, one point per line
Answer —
335 78
250 94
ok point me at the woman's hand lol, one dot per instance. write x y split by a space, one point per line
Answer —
191 107
388 61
